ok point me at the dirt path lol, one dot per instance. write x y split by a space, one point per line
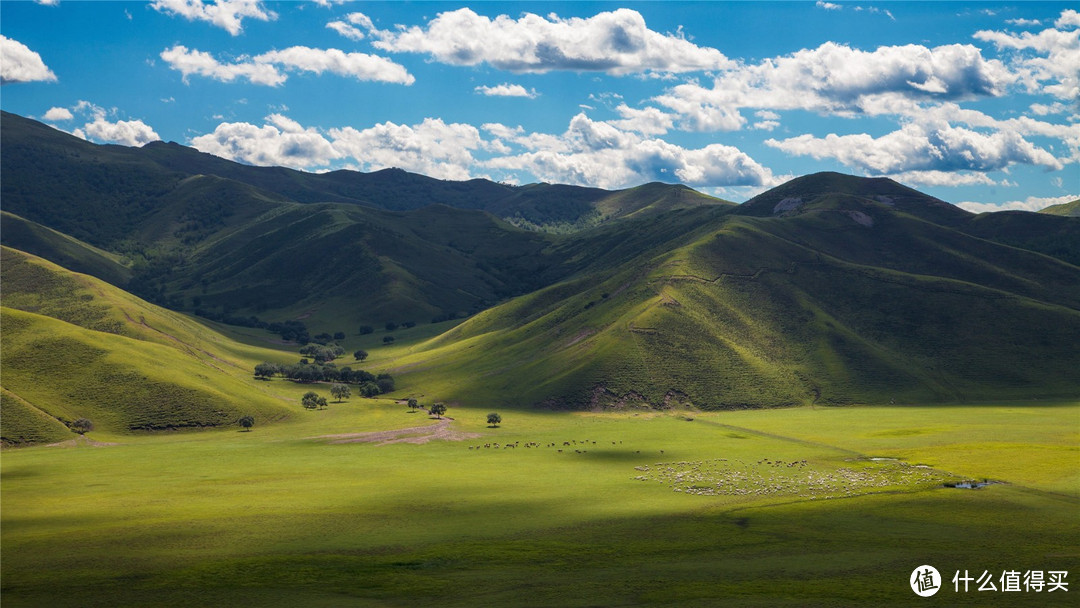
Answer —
79 441
416 434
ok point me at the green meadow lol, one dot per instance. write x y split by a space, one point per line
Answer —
588 509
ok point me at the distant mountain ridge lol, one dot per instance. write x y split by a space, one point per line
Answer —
827 289
160 165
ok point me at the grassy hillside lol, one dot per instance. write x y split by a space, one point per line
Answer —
820 307
62 249
1071 209
1057 235
74 346
49 171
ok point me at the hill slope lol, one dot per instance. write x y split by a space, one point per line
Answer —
850 301
74 346
1066 209
47 167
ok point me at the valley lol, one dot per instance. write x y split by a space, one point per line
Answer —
772 403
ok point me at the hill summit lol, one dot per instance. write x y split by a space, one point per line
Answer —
827 289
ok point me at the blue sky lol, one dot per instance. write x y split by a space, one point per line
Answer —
976 103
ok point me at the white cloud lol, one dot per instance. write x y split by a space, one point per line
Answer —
647 121
360 66
100 129
834 78
123 132
507 90
280 142
1031 203
946 178
19 64
226 14
346 30
266 69
48 2
1068 18
58 114
1045 62
201 63
599 154
349 30
433 147
919 147
616 42
829 6
1023 22
1041 109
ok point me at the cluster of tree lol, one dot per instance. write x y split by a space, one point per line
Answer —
311 400
325 338
322 354
391 326
370 384
247 422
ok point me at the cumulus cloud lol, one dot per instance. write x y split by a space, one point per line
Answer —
226 14
950 179
58 114
123 132
919 147
200 63
834 78
433 147
280 142
616 42
1069 18
1031 203
19 64
599 154
346 30
101 129
507 90
647 121
360 66
266 69
1045 62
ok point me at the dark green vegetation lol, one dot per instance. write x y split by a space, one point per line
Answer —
829 289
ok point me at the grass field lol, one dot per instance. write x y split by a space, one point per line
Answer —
281 517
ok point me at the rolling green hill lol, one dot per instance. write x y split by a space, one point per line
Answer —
49 171
62 249
201 233
74 346
1071 209
848 300
828 289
